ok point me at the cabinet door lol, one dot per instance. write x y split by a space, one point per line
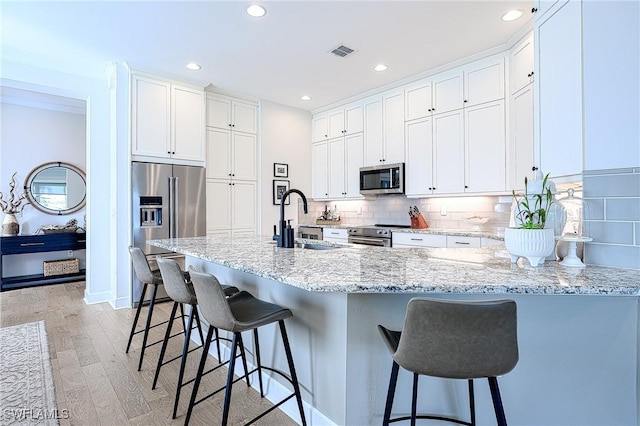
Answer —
218 154
319 128
485 148
353 119
244 156
410 239
151 121
418 167
219 112
319 170
462 242
393 125
336 168
354 150
417 101
521 61
187 114
521 145
448 142
559 86
484 82
244 117
336 123
244 196
447 91
218 205
373 153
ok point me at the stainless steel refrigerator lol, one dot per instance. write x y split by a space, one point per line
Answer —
169 201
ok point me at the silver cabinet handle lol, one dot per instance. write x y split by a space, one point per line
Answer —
416 239
462 242
31 244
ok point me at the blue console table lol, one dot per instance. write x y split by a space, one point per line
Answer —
23 244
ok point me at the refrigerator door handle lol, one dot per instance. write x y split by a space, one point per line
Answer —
176 209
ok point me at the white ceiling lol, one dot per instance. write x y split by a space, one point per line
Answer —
278 57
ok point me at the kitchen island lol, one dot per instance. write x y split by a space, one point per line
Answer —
578 328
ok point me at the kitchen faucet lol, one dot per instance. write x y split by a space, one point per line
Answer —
286 238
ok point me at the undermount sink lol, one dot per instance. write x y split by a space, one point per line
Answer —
316 246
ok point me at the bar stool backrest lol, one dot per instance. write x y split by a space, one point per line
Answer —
174 282
141 266
458 339
213 301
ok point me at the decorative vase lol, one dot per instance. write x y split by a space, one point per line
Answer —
10 225
533 244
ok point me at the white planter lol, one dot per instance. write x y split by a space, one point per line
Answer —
532 244
10 225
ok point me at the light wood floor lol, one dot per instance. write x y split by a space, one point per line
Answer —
99 384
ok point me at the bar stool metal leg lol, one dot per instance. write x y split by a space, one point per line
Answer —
196 384
390 393
292 370
164 344
154 290
497 401
183 360
135 319
472 403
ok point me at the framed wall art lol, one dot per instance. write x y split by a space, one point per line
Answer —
280 170
279 188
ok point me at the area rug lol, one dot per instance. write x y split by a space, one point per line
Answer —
27 393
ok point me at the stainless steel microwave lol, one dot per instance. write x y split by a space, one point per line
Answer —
383 179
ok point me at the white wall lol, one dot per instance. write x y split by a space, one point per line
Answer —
285 138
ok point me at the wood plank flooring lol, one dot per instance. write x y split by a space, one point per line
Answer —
99 384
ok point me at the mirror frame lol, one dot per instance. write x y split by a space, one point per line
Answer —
31 177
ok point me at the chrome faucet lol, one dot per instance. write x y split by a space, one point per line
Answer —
286 238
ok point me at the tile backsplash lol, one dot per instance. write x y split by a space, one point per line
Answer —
613 217
447 213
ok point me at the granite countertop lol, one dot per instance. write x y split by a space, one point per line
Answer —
494 235
366 269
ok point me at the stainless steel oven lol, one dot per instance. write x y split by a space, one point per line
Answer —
378 235
310 232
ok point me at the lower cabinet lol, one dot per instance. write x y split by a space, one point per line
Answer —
462 242
234 210
409 239
336 235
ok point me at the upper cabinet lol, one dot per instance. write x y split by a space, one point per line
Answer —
231 114
483 81
344 121
384 129
448 91
521 64
320 128
167 123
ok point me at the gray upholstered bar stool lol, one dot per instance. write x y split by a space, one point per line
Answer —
180 290
147 277
456 340
238 313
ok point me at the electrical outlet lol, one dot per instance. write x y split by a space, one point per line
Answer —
443 211
69 253
359 209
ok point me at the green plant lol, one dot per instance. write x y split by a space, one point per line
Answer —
13 205
532 210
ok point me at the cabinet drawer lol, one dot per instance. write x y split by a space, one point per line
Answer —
486 242
331 234
42 243
418 240
462 242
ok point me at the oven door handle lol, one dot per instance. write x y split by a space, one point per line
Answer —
368 241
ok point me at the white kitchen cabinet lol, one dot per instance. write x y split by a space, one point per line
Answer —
418 101
373 135
521 64
336 235
486 242
228 113
448 141
558 89
345 160
521 146
233 208
543 6
319 128
319 171
448 91
410 239
345 121
483 81
384 129
231 155
419 165
167 122
485 148
454 241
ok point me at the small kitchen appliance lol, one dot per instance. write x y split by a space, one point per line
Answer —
383 179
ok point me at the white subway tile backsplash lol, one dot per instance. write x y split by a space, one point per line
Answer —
611 232
622 209
612 255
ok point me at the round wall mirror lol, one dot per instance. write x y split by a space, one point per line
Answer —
56 188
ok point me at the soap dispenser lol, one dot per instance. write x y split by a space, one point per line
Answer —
289 238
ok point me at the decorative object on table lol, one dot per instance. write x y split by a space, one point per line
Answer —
570 246
26 378
70 226
417 220
280 170
531 238
279 188
329 217
61 267
476 221
12 207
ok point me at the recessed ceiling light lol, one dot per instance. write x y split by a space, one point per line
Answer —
193 66
256 10
306 98
380 67
512 15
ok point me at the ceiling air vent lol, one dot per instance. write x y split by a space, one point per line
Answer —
342 51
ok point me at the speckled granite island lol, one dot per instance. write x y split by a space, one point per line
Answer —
577 328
